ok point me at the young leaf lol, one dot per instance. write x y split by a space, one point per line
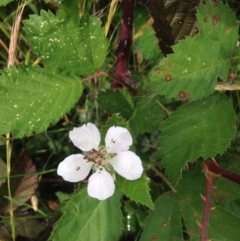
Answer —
86 218
198 129
136 190
147 116
119 101
66 46
164 223
192 71
32 98
22 188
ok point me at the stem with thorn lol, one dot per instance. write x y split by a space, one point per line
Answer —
207 204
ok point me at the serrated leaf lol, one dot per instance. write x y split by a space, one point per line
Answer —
198 129
192 71
136 190
22 188
164 223
119 101
33 98
65 45
222 225
147 116
86 218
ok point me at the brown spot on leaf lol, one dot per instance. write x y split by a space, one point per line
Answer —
232 75
195 214
154 237
157 70
209 10
169 64
168 77
236 123
228 31
222 200
215 19
164 224
205 20
184 95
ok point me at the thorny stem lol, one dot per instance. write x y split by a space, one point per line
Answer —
163 178
124 45
217 169
207 204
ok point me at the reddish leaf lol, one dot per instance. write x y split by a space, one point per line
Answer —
23 187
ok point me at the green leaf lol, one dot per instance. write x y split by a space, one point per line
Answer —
192 71
86 218
164 223
136 190
148 115
119 101
32 98
5 2
64 44
198 129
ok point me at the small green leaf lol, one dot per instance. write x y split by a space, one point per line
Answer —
66 46
198 129
33 98
119 101
192 71
5 2
136 190
86 218
164 223
148 115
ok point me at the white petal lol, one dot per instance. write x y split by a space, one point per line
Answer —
74 168
127 164
86 137
118 139
101 185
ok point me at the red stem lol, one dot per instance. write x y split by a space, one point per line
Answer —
207 204
125 42
217 169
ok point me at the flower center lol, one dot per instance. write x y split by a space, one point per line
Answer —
99 157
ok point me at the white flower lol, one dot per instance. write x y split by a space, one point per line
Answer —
114 155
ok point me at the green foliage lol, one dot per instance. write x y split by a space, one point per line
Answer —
198 129
86 218
119 101
147 116
64 44
192 71
5 2
33 98
136 190
188 205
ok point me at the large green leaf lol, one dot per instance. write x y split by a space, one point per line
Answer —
147 115
164 223
119 101
192 71
33 98
86 218
64 44
136 190
198 129
181 212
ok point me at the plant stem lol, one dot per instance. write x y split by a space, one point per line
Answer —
207 204
163 178
125 42
217 169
